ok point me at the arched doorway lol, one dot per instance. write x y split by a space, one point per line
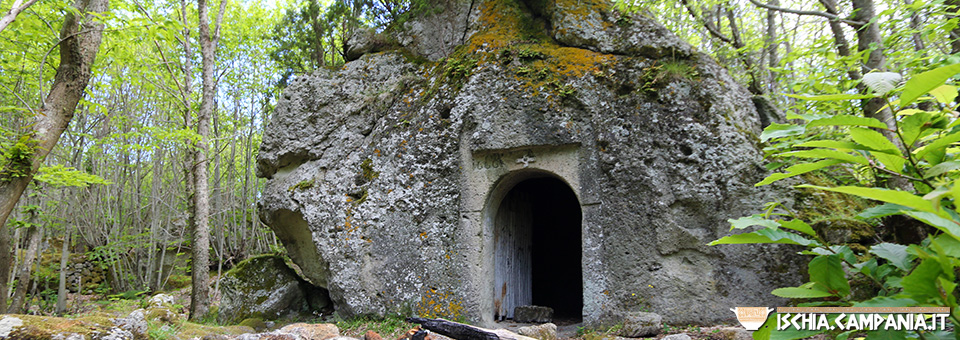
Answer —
537 249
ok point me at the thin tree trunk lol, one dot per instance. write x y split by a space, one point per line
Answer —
78 49
869 41
62 286
772 45
839 37
953 6
918 44
200 297
23 273
6 257
16 260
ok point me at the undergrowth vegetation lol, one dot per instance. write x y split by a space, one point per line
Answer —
910 165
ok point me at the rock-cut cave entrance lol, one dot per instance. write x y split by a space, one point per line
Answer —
537 238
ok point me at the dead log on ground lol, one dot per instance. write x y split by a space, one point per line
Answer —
461 331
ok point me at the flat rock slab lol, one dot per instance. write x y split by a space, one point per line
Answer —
533 314
641 324
547 331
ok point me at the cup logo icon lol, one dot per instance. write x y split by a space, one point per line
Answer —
752 317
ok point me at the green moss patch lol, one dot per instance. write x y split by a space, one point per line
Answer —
303 185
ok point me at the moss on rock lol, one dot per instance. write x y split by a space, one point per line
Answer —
256 323
262 287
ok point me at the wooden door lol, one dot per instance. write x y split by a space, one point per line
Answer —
512 240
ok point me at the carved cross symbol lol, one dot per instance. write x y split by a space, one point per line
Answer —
526 160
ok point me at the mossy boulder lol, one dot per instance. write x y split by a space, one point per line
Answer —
31 327
265 287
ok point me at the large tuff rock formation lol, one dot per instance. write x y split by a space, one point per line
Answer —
513 153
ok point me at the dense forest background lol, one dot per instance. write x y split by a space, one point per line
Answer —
160 151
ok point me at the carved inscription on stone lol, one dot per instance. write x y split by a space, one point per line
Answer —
489 161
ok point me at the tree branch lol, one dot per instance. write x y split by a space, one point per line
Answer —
709 26
814 13
14 11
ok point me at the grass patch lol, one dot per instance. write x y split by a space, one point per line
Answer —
599 334
390 327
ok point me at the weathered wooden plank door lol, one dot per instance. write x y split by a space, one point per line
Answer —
512 239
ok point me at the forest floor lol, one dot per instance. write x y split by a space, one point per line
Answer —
97 312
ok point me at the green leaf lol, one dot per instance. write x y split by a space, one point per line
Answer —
921 285
896 254
847 120
890 162
946 284
923 83
826 153
843 251
882 210
951 246
945 94
938 144
873 140
799 169
753 220
775 130
831 97
948 226
884 195
886 301
835 144
808 116
939 335
888 334
799 225
911 126
766 236
800 293
868 267
846 335
827 272
941 168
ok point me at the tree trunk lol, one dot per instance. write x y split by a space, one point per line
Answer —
62 287
6 258
772 46
186 92
870 41
200 296
952 7
78 49
23 273
915 22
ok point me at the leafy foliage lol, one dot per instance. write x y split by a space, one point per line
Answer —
312 34
61 176
923 153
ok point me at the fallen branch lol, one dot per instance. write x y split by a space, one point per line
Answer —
461 331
